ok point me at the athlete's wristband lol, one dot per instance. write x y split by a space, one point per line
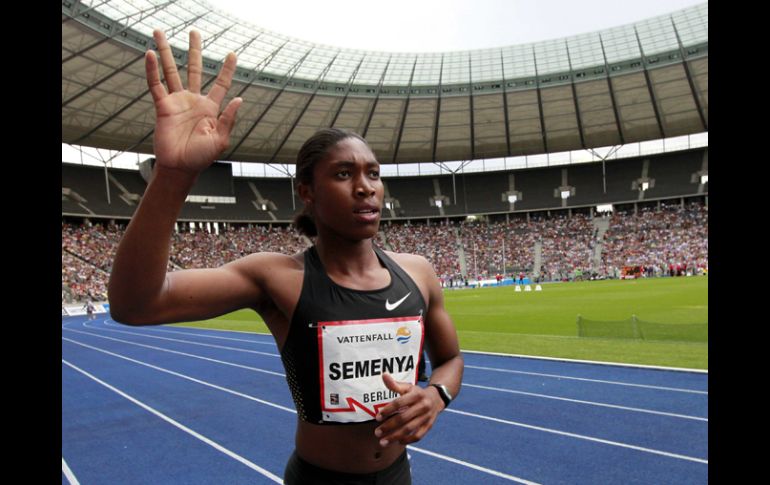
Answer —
443 393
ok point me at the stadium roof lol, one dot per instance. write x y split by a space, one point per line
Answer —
638 82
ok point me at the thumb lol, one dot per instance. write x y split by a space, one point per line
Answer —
394 385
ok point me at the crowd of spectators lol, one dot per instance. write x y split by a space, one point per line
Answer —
483 245
667 241
568 246
664 242
87 254
202 249
81 280
436 242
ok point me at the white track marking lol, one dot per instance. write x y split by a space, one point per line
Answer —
255 369
471 465
579 361
283 408
455 411
235 349
590 403
183 376
467 366
68 473
578 436
464 384
182 427
556 376
147 328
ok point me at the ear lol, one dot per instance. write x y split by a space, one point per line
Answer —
305 193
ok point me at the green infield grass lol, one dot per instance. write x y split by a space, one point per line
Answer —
543 323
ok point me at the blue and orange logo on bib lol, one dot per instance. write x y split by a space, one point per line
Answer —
403 335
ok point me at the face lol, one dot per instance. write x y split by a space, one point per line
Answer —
346 194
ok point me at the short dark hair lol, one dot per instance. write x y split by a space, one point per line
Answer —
314 150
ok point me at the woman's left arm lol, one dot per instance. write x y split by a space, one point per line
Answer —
410 416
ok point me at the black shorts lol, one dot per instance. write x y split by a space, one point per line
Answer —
300 472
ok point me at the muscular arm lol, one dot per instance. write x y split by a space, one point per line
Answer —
410 416
189 134
140 290
443 347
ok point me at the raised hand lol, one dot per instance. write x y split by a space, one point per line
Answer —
189 132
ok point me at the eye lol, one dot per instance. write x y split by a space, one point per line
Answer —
375 174
343 174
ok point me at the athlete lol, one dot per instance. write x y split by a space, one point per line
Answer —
350 319
90 308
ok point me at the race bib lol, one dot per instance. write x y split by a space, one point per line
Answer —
353 356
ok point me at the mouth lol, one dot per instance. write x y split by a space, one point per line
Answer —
367 214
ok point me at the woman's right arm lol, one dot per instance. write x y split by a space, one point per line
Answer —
189 134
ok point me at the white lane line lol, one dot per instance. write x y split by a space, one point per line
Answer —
182 427
183 376
659 388
255 369
147 328
235 349
283 408
467 365
578 436
489 418
590 403
579 361
471 465
68 473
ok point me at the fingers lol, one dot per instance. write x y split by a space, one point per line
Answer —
394 406
167 62
224 79
194 63
406 418
227 120
153 77
394 385
406 427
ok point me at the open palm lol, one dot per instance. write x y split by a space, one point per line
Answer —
189 132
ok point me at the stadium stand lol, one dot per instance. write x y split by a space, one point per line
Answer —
664 230
660 237
471 193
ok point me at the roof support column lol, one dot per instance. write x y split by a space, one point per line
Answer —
376 98
612 94
540 104
575 97
505 106
438 110
693 90
403 113
649 87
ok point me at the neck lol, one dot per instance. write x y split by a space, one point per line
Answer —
346 257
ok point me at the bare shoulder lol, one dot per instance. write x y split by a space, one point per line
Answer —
266 263
418 267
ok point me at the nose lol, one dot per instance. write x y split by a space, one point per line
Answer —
364 187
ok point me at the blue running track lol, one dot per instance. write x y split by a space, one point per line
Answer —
172 405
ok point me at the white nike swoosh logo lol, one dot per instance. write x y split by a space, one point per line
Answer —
392 306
